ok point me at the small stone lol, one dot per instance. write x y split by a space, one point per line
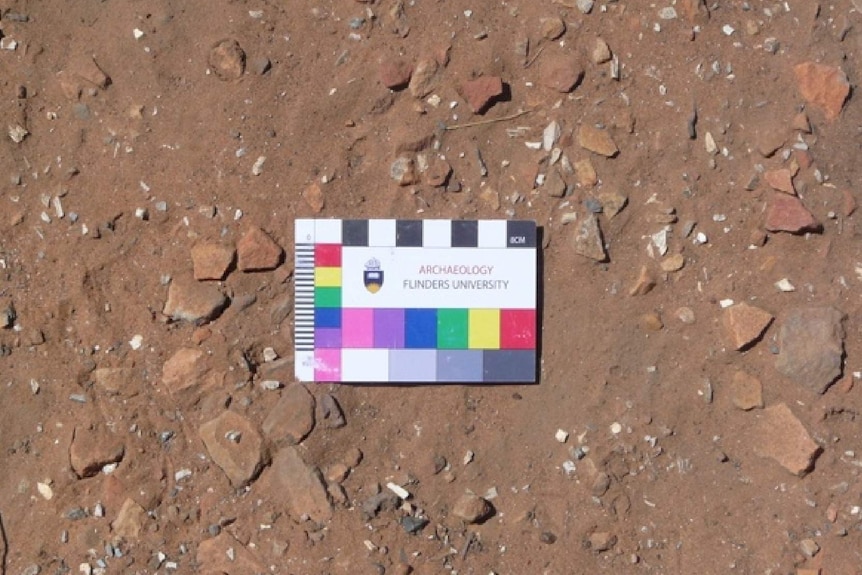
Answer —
643 284
561 435
824 86
212 261
224 554
586 174
130 521
809 547
747 391
602 541
194 302
650 322
786 213
685 315
394 73
93 448
403 171
585 6
673 263
472 508
552 28
612 203
189 368
424 78
227 59
811 343
301 484
561 73
587 239
780 180
481 92
331 414
235 446
598 141
601 51
292 418
413 524
770 139
554 185
601 484
438 172
848 203
256 251
744 323
779 435
261 65
313 196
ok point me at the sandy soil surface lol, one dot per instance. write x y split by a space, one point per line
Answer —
693 166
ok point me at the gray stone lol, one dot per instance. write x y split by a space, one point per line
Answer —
811 344
588 240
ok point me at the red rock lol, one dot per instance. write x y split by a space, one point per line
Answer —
824 86
235 446
438 172
194 302
788 214
472 508
313 196
212 261
745 323
300 484
597 141
130 520
780 180
189 368
779 435
481 92
292 418
394 73
258 252
561 73
93 448
227 59
225 554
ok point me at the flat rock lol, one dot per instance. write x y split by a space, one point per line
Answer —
235 446
597 141
424 77
780 180
212 261
257 251
811 342
331 414
613 203
747 391
314 198
129 521
779 435
824 86
770 138
744 323
301 484
116 380
292 418
561 73
673 263
586 174
227 59
194 302
225 554
786 213
190 368
554 185
92 448
602 541
552 28
481 92
587 239
472 508
394 73
601 52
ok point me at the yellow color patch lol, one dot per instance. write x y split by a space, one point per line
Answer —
327 277
483 331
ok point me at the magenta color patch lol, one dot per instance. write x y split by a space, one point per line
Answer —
357 327
327 364
389 328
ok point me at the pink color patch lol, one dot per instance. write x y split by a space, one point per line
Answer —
327 365
357 328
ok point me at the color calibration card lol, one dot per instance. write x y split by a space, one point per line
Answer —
393 301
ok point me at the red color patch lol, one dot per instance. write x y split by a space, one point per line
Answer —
327 255
517 329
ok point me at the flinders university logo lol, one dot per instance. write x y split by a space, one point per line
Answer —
373 276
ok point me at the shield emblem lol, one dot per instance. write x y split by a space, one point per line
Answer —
373 280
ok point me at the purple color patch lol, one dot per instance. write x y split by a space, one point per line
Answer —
326 337
389 328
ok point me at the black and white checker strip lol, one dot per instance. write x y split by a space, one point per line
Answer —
304 305
434 233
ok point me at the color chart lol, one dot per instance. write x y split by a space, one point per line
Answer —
422 301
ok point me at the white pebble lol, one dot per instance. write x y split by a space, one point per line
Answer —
562 436
784 285
138 33
257 168
271 384
616 428
728 29
725 303
45 491
136 342
182 474
569 466
398 490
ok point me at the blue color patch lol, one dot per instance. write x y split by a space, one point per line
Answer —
327 317
420 328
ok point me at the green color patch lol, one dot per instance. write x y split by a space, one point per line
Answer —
327 297
451 329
